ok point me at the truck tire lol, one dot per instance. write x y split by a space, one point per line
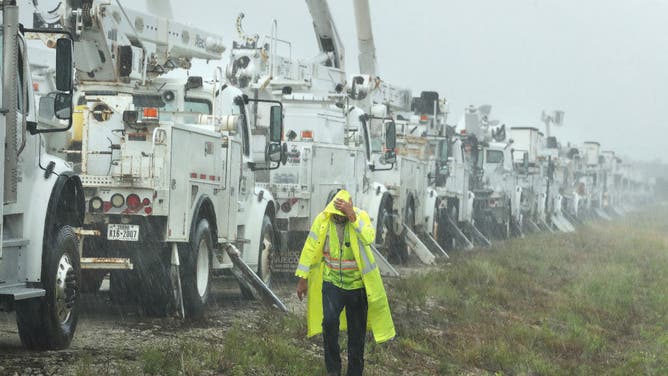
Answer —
264 266
49 322
383 230
196 270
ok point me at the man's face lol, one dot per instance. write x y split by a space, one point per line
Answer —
340 219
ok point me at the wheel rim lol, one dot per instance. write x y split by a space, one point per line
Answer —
65 288
202 268
384 230
266 247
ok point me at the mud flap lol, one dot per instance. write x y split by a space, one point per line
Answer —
459 233
421 250
252 281
176 281
386 269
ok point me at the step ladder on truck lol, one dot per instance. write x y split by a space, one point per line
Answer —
43 201
168 172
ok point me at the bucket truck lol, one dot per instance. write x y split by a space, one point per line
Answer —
556 170
527 156
493 178
413 202
327 143
168 167
43 200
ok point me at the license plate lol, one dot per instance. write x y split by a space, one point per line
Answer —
128 233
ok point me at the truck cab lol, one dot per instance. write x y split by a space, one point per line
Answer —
43 203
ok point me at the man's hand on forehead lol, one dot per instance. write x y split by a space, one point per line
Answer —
346 207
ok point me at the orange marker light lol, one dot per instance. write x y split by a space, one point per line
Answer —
150 113
307 135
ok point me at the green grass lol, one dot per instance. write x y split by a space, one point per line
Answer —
592 302
587 303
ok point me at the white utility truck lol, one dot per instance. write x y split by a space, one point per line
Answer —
168 167
407 181
493 180
527 157
325 147
43 201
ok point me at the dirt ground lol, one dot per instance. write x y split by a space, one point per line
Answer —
109 334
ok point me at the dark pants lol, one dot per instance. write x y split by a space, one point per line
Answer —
334 300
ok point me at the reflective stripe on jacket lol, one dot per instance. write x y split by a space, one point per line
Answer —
311 267
340 267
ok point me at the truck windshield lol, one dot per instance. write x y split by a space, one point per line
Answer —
494 156
376 129
192 108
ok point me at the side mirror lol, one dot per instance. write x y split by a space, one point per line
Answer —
390 156
47 105
64 51
274 152
62 106
194 82
276 124
391 135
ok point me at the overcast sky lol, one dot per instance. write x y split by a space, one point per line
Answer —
604 62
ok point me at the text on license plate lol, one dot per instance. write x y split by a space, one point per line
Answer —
123 232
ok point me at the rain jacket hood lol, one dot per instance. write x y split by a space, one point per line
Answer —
331 209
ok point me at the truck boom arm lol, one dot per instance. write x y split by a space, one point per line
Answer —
365 43
117 44
325 31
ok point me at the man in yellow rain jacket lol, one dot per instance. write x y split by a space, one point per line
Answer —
339 271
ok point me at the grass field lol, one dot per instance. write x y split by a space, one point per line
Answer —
588 303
